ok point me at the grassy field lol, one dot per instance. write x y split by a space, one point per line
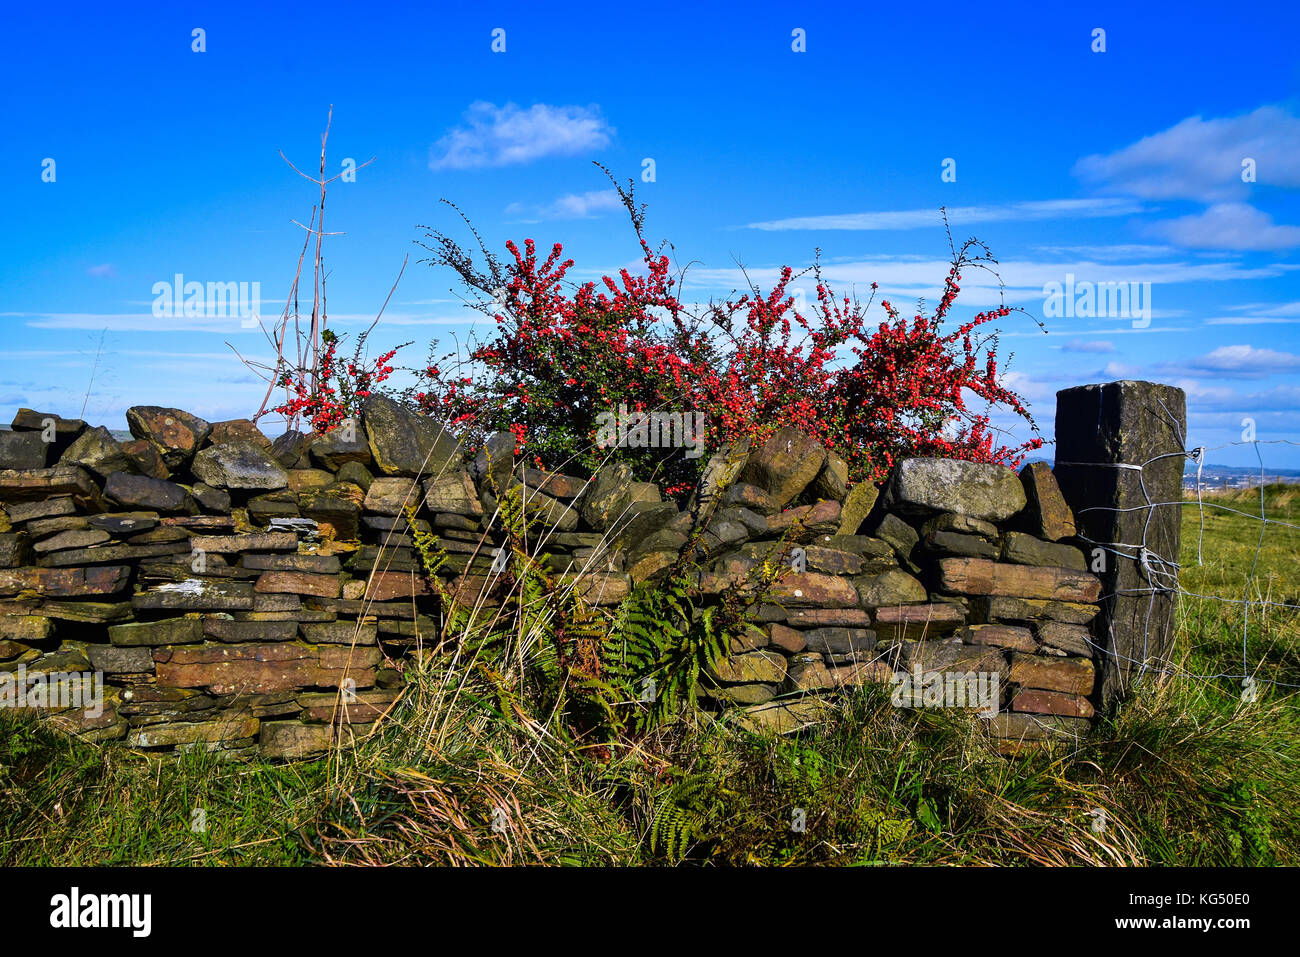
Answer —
1191 772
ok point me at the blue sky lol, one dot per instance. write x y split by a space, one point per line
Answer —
1123 166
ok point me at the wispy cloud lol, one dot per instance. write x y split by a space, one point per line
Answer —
957 215
1240 361
1088 345
509 135
569 206
1228 226
1202 159
102 271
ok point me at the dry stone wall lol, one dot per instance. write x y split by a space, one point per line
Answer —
258 596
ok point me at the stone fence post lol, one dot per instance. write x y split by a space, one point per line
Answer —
1120 451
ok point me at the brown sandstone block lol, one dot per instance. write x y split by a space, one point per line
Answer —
979 576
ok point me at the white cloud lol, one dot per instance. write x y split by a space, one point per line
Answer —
1117 251
1251 320
508 135
1202 159
1244 361
903 278
957 215
569 206
1228 226
1083 345
102 271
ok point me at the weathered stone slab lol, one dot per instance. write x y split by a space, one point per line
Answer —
832 482
15 548
1010 637
554 484
143 492
26 485
312 564
962 546
741 695
823 617
169 631
389 496
114 659
299 583
858 504
25 627
111 554
386 586
63 431
1027 727
944 657
820 519
601 588
196 595
260 668
997 608
833 561
75 538
785 638
552 513
1036 701
120 524
1072 639
344 443
229 630
228 729
43 528
293 740
979 490
917 621
239 465
337 507
404 442
744 495
96 451
175 434
360 707
238 430
785 465
1068 675
250 542
892 587
756 666
840 641
23 450
65 582
783 717
979 576
144 458
813 590
90 612
291 449
339 633
959 524
1046 514
1023 549
20 512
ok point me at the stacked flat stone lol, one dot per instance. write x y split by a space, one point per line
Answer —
951 567
252 596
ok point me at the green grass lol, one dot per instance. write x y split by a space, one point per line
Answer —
1187 773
